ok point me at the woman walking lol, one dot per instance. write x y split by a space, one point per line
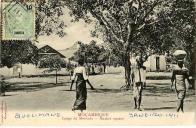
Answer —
179 75
81 92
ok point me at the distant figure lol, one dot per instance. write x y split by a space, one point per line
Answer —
19 72
179 74
104 68
93 69
88 69
139 78
81 92
71 71
2 86
96 69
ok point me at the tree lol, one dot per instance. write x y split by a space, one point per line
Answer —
110 56
176 29
53 63
122 22
49 18
184 24
13 52
48 21
89 52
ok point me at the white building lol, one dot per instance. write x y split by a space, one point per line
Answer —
154 63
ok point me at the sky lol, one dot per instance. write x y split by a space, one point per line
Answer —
78 31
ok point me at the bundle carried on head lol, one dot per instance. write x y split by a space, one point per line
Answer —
180 54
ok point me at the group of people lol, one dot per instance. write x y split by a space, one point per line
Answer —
94 69
138 78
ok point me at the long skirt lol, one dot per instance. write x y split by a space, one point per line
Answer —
81 95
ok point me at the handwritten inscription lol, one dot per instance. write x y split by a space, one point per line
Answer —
37 115
153 115
99 116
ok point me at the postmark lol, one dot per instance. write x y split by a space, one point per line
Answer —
18 20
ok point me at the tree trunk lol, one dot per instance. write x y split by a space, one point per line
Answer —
56 76
0 51
193 67
127 66
193 70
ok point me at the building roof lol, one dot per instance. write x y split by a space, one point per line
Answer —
48 50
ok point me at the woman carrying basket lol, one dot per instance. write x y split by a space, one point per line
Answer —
179 74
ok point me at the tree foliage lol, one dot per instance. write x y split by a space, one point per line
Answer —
52 62
140 26
89 52
48 21
13 52
122 21
49 18
183 22
93 53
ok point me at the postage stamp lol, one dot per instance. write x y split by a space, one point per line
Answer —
18 20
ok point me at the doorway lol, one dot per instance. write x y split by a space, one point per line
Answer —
158 63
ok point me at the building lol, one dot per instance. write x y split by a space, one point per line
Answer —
30 69
154 63
47 50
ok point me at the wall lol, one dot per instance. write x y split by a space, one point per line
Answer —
27 69
151 63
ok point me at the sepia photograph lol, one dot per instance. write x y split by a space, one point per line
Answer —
97 62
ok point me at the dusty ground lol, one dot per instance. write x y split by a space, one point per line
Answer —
41 93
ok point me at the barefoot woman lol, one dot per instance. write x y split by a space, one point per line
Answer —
180 73
81 92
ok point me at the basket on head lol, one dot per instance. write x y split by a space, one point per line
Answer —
180 54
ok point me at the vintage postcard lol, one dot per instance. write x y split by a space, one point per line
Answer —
100 62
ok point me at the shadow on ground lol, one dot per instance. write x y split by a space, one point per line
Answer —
163 90
161 108
98 90
158 89
35 86
105 90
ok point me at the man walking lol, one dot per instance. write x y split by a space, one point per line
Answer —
139 78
